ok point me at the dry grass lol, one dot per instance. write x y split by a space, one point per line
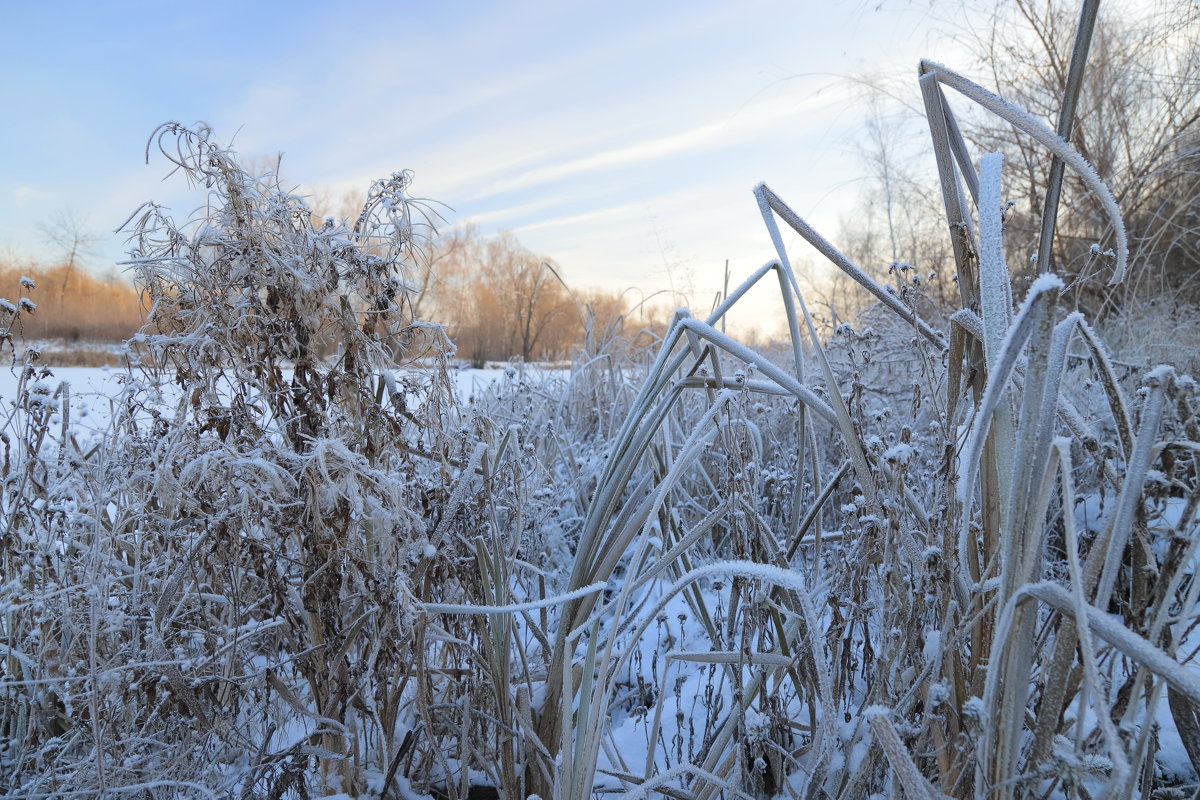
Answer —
59 353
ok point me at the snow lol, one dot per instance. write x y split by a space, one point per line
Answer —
94 389
899 453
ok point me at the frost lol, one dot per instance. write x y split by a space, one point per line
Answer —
899 454
933 645
1014 341
994 284
989 585
1159 374
873 712
1044 283
248 521
974 709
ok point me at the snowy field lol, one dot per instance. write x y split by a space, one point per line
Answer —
94 389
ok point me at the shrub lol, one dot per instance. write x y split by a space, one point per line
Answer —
226 574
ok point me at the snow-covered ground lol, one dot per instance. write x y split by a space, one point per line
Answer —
93 389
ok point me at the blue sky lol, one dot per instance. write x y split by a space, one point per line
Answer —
620 138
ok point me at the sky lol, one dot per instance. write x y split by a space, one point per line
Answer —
621 139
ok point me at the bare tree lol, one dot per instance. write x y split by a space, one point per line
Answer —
1137 121
497 298
893 233
68 232
530 293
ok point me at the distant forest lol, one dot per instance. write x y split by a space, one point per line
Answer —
496 299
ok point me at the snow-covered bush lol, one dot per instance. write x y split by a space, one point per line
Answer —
218 593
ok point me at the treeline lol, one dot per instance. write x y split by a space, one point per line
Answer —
67 302
498 300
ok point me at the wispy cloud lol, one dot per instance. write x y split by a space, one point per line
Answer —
750 123
582 219
497 216
619 157
23 194
606 134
